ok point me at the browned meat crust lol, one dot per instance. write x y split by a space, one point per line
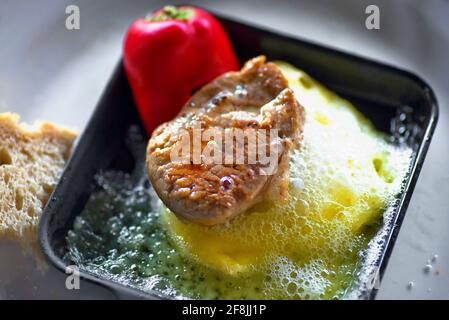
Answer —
209 193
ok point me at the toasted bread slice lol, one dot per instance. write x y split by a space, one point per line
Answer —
31 161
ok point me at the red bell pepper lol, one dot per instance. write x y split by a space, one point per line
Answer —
169 54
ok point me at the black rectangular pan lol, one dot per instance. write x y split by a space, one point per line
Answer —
379 91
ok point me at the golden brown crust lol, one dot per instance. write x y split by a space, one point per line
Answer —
212 193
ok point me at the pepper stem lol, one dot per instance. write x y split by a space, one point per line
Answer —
171 12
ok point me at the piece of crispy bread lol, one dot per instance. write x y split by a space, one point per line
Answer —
31 161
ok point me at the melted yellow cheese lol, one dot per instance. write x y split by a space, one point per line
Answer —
341 181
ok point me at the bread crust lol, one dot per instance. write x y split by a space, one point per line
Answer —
31 161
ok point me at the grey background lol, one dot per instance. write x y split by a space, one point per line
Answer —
48 72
